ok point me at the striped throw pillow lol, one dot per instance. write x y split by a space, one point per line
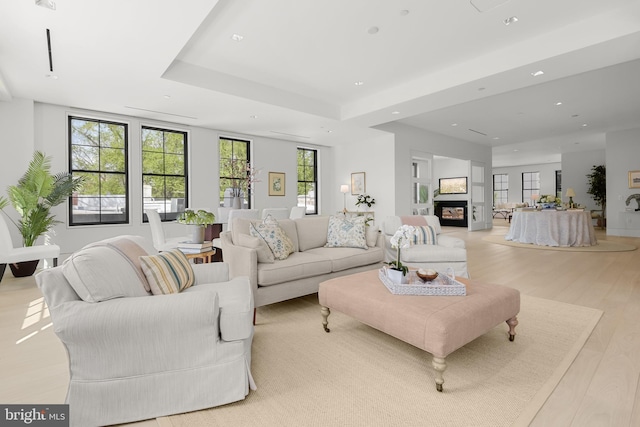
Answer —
167 272
424 235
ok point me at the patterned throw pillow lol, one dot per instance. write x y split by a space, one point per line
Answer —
277 240
346 233
424 235
167 272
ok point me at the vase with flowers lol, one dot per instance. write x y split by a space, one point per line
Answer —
242 176
548 201
400 240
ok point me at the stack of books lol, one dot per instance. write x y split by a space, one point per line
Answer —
195 248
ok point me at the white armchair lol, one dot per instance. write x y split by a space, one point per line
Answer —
10 255
135 356
448 251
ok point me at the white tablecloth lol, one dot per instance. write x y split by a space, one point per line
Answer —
552 228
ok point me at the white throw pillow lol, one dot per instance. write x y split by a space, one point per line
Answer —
346 233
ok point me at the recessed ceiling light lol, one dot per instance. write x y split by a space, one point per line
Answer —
515 150
51 76
558 103
49 4
237 37
454 124
510 20
373 30
496 137
584 125
481 88
253 116
329 131
404 12
167 97
575 115
358 83
395 112
537 73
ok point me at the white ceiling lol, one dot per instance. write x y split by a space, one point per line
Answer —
292 76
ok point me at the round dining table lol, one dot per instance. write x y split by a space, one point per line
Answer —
550 227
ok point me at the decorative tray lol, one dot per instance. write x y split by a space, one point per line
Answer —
441 285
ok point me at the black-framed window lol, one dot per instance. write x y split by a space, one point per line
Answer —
164 172
308 179
98 151
559 184
530 185
234 169
500 188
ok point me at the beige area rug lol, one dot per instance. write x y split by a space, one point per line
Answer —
357 376
602 246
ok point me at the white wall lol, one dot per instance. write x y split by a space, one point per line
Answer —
375 159
29 126
16 128
623 155
547 179
575 168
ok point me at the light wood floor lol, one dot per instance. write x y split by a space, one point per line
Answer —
600 388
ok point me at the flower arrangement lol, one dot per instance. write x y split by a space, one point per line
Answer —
240 168
548 198
400 240
365 199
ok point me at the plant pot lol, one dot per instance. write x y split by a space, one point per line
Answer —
24 268
396 276
195 232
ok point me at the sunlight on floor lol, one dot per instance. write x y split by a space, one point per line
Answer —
37 311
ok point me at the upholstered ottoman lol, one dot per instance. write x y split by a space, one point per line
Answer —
436 324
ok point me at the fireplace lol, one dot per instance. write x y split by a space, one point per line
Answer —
452 213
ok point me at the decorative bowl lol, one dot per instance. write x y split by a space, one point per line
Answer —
427 277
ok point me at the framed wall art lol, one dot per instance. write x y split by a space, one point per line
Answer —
358 183
634 179
276 183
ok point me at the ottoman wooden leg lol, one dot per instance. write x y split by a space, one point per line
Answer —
325 315
513 322
439 365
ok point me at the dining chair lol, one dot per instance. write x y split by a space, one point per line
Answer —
11 255
242 213
277 213
298 212
160 242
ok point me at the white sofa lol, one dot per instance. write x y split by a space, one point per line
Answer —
135 356
448 252
309 264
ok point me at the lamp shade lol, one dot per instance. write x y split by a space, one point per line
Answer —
571 192
344 188
535 197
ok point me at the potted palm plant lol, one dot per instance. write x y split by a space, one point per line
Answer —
37 191
598 190
196 221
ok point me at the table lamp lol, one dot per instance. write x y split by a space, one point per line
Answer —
571 194
535 198
344 189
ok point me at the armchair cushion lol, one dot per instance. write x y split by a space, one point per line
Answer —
167 272
424 235
107 269
346 233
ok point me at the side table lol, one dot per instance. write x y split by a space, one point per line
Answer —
203 257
